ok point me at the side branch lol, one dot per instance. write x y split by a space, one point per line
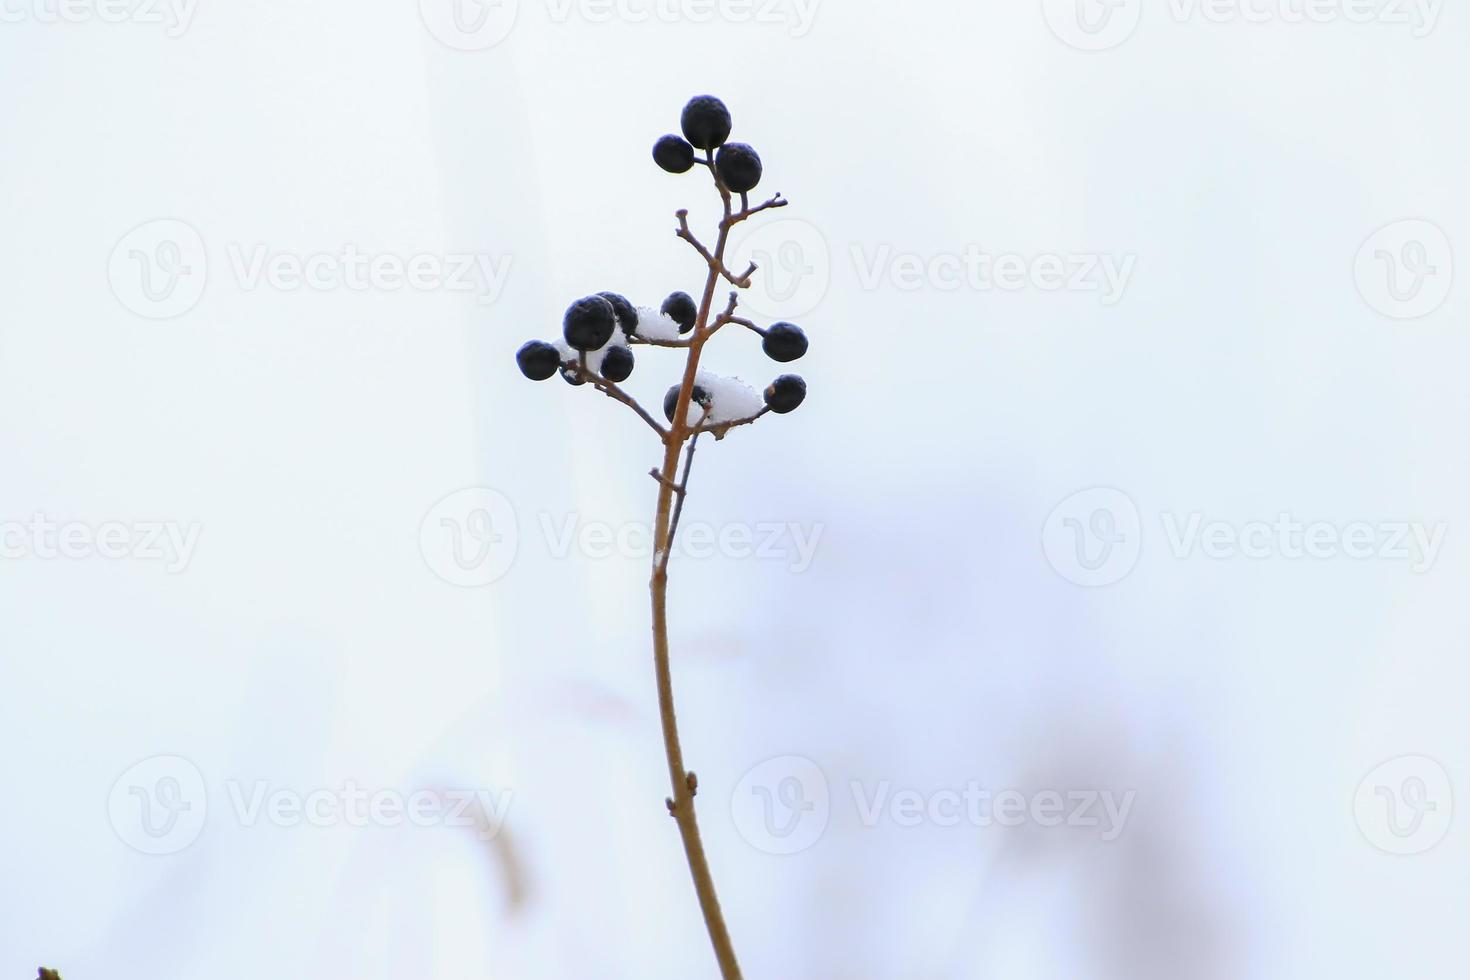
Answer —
746 211
721 428
681 489
715 261
612 391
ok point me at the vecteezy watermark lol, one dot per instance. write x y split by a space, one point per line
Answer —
796 16
41 537
1097 25
977 269
793 266
159 270
478 25
1419 16
160 806
1285 536
469 25
471 538
1405 806
784 805
1094 537
1092 25
1405 270
789 542
174 16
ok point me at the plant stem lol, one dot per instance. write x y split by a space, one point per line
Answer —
681 780
679 777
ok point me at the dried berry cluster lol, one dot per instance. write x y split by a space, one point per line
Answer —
598 332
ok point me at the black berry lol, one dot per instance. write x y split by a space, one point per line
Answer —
739 166
589 323
622 309
784 342
617 364
538 360
680 307
706 122
785 394
671 400
673 154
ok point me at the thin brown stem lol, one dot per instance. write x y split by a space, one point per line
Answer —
720 428
611 390
715 260
683 342
681 490
681 780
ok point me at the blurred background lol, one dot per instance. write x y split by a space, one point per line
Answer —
1100 615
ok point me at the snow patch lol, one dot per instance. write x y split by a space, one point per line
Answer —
653 325
733 399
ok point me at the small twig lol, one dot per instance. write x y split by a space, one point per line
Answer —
739 321
611 390
720 428
715 261
681 489
663 482
746 211
660 343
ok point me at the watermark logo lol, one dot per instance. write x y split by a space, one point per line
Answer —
159 269
469 25
168 542
794 267
794 15
782 805
159 805
1420 16
471 537
1405 806
1094 537
351 805
1413 542
1405 270
174 16
974 268
1097 25
1092 25
788 542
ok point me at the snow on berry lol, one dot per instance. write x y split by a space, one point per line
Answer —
653 325
733 399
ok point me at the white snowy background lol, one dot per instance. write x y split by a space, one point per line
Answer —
1251 364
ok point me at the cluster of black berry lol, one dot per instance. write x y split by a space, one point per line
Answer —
598 331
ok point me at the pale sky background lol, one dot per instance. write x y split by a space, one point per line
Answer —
1283 205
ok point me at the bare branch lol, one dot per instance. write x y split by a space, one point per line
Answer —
721 428
683 342
612 391
746 211
681 490
715 262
